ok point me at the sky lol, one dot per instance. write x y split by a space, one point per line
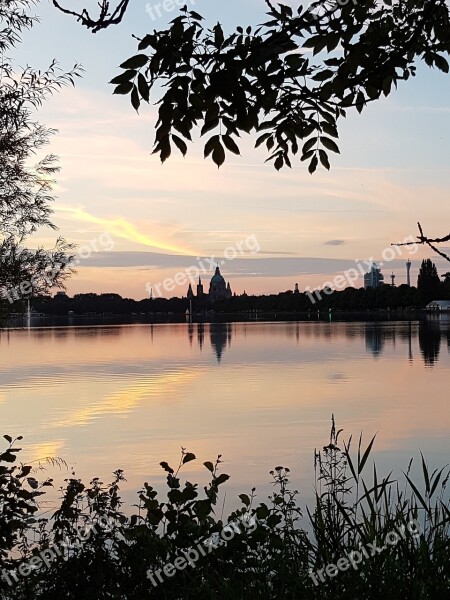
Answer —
138 223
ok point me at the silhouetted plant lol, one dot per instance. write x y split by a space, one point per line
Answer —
97 551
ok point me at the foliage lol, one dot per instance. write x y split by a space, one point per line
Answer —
272 559
25 188
428 282
264 81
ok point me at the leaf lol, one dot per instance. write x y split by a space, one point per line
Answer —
279 162
182 147
143 87
244 499
209 125
329 144
209 466
189 455
124 77
324 159
221 479
365 455
124 88
441 63
313 164
8 438
218 36
166 467
135 62
211 144
218 154
230 144
135 100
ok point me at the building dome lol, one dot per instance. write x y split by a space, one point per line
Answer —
218 288
217 277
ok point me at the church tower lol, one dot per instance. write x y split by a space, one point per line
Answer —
190 293
199 288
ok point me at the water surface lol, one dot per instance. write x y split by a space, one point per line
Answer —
260 394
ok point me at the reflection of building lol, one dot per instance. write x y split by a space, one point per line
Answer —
220 334
218 289
373 278
200 335
373 334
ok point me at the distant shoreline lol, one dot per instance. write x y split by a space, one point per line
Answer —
247 317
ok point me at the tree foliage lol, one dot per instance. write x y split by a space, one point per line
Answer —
287 82
26 177
428 282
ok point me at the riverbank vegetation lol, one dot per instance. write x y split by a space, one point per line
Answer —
364 536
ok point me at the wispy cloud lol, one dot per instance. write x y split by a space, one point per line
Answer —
121 228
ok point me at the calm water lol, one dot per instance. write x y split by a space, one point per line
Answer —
260 394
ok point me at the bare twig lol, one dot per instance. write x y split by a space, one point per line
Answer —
105 19
423 239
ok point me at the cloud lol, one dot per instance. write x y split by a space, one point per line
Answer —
335 243
121 228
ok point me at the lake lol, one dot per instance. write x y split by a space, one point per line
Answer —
261 394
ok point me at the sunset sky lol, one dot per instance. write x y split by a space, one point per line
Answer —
393 171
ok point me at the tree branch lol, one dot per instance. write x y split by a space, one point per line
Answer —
105 19
423 239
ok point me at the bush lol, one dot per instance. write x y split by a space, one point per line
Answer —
360 539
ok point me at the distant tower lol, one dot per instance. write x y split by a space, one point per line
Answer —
296 290
408 273
151 293
393 279
199 288
190 293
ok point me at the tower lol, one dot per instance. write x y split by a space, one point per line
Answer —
190 293
296 290
393 279
199 288
408 273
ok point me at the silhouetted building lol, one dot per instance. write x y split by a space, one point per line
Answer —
218 288
296 290
373 278
200 288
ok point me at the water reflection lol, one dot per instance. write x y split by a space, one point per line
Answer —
260 393
220 335
430 341
379 337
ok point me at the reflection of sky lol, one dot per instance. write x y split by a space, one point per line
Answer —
259 393
393 171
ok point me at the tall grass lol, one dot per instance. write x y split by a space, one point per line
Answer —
392 535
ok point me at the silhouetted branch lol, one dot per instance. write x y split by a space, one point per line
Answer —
423 239
105 19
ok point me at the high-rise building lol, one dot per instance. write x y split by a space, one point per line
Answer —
374 278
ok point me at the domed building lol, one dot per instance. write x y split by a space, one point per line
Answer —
218 289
